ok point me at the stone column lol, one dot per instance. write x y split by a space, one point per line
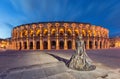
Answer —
73 38
73 43
34 42
41 38
28 46
57 43
49 42
87 43
108 44
98 45
22 44
57 35
102 44
93 43
41 42
65 43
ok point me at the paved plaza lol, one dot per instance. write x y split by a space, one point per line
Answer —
18 64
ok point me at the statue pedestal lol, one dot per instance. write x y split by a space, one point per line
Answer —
78 62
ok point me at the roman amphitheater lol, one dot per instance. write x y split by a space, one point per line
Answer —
58 35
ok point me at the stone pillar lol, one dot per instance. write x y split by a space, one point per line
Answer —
22 44
65 44
93 43
87 43
18 45
41 38
41 43
57 43
49 42
108 44
57 35
73 43
98 45
28 46
102 44
34 42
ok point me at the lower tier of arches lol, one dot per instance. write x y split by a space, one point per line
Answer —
58 44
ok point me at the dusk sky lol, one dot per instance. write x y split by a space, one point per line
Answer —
105 13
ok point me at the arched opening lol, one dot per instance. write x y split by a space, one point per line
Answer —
20 46
45 45
90 44
69 44
53 32
31 45
96 44
85 44
25 45
61 45
61 32
53 44
37 45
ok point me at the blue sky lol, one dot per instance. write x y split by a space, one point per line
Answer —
105 13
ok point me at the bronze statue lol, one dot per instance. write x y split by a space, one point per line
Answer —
80 60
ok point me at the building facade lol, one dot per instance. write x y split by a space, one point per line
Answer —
58 35
115 42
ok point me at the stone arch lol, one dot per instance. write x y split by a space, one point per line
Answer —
38 32
76 32
61 43
83 33
31 45
31 32
69 44
53 32
37 45
69 32
61 32
45 32
45 45
53 44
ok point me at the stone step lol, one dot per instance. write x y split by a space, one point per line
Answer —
35 71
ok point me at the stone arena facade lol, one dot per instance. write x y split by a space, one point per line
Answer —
58 35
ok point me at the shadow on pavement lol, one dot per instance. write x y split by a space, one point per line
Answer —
59 58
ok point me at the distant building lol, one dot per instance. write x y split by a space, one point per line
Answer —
58 35
115 42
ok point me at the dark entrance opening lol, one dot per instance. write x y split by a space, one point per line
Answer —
85 44
69 44
53 45
37 45
96 44
20 46
25 45
45 45
90 44
61 45
31 45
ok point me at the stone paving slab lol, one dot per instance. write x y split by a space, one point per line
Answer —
36 72
64 75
